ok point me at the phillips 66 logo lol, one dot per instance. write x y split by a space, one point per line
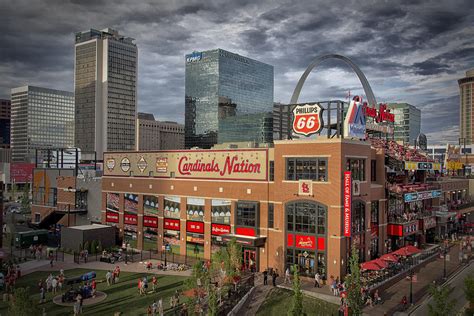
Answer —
307 119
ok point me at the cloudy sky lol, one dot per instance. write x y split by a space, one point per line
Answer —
410 51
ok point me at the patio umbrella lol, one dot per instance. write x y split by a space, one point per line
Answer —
411 250
370 265
383 264
390 257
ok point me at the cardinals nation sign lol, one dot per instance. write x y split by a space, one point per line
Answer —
307 119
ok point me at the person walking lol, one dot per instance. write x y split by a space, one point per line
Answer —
265 277
154 282
317 280
160 307
42 295
287 276
54 284
108 277
154 308
140 286
274 277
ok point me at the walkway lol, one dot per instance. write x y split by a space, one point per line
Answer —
258 296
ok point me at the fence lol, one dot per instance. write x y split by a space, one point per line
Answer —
26 254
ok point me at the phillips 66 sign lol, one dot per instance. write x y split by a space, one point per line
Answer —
307 119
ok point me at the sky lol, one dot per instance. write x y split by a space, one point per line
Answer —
410 51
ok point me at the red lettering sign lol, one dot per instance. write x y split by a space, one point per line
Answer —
306 242
150 221
347 203
395 230
171 224
231 165
220 229
307 119
130 219
111 217
195 227
245 231
290 240
382 115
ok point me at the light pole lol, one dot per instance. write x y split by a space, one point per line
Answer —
445 253
411 274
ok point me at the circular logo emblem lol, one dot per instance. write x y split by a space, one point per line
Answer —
125 164
110 163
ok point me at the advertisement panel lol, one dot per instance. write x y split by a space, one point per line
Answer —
452 159
347 203
414 165
171 224
150 221
130 219
111 217
220 229
195 227
307 119
238 164
21 172
355 122
418 196
245 231
305 242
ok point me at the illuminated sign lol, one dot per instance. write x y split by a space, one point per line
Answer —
194 56
418 196
305 187
195 227
112 217
171 224
452 160
354 122
150 221
382 115
220 229
305 242
131 219
347 203
414 165
307 119
245 231
402 230
238 164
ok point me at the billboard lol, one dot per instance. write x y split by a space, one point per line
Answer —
238 164
307 119
21 172
452 159
355 122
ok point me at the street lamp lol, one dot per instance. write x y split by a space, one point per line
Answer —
411 274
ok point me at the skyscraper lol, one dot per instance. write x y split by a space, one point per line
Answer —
105 91
156 135
5 117
466 115
221 84
41 118
407 123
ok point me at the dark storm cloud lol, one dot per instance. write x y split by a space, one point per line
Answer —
411 51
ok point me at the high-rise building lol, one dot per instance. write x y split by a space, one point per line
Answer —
105 88
282 121
407 125
466 115
220 84
255 128
156 135
5 117
40 118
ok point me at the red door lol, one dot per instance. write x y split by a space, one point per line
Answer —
250 257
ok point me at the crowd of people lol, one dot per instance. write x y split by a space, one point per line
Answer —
13 274
52 284
113 277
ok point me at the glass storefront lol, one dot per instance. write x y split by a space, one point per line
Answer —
195 245
221 211
195 209
112 209
172 207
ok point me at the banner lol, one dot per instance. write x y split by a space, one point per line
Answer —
171 224
111 217
305 242
347 203
220 229
418 196
150 221
195 227
131 219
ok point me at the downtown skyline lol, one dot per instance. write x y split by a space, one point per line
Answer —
410 52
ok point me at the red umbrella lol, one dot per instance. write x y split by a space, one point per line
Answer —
370 265
406 251
383 264
390 257
411 250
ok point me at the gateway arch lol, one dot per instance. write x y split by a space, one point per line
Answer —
363 80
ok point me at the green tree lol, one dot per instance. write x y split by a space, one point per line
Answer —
213 308
353 284
442 304
469 289
25 199
297 302
235 257
22 304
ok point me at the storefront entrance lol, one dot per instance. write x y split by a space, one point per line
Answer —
249 259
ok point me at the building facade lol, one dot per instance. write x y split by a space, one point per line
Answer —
40 118
5 123
255 128
105 86
466 98
283 204
282 116
157 135
407 125
220 84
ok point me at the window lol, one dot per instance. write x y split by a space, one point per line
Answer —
247 214
271 208
374 213
272 171
306 168
306 217
373 170
357 168
358 217
37 217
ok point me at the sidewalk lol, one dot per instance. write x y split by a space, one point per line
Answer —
432 271
323 293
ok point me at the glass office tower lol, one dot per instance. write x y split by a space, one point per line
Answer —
407 122
40 118
219 85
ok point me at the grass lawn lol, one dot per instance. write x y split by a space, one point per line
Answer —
279 301
122 296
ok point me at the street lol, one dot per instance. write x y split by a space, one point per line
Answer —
457 285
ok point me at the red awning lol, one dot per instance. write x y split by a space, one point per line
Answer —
370 265
390 257
383 264
406 251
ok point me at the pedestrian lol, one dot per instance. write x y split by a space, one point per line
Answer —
265 277
154 308
148 310
274 277
184 310
140 286
49 284
404 302
317 281
81 303
93 287
108 277
42 295
287 276
154 282
76 308
51 258
160 307
377 298
18 272
54 284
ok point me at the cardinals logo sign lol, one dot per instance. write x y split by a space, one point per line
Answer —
307 119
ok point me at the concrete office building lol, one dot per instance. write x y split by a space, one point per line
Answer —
105 87
282 117
40 118
157 135
5 117
214 76
407 124
466 113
